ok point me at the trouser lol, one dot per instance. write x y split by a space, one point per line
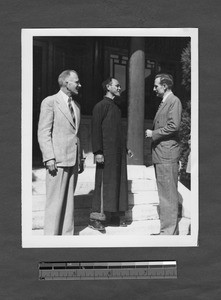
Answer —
105 210
59 208
98 199
167 181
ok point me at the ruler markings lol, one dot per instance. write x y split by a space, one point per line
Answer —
107 270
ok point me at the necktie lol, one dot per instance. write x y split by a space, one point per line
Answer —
71 108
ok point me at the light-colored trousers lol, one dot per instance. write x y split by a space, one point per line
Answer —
167 182
59 208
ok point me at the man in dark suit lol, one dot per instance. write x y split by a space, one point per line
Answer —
165 152
58 139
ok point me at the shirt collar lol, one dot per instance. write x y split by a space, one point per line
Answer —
64 96
114 100
108 98
164 98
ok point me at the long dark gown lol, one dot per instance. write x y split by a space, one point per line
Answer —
111 177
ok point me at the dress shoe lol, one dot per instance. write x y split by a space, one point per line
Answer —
122 222
112 221
96 225
116 221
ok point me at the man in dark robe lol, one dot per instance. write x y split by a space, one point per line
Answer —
110 199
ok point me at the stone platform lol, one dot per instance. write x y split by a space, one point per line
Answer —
142 216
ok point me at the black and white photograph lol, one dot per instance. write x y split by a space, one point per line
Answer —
110 137
110 149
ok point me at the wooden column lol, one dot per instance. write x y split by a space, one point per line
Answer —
98 70
136 93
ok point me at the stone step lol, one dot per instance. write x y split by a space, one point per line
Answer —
184 226
38 174
133 172
37 220
38 203
137 172
141 185
81 215
146 227
147 197
185 200
134 213
136 228
142 212
143 197
87 175
85 200
83 188
134 186
39 187
140 172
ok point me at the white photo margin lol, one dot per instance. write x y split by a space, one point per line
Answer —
32 241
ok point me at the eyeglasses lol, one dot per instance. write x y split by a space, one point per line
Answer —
117 85
76 82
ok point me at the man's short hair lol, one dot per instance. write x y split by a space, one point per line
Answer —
63 76
106 82
165 78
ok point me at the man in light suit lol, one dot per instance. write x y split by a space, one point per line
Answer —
165 152
58 139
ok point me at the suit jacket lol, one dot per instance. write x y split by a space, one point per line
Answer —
165 139
57 132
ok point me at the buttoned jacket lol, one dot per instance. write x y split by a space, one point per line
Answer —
58 132
166 124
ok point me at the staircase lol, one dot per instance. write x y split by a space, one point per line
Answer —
142 216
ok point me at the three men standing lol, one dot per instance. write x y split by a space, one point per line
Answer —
165 152
58 139
110 199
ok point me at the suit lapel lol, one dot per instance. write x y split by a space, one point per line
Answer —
64 109
159 111
163 106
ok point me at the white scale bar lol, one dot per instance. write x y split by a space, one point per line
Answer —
110 270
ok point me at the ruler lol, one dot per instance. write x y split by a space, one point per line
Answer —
107 270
